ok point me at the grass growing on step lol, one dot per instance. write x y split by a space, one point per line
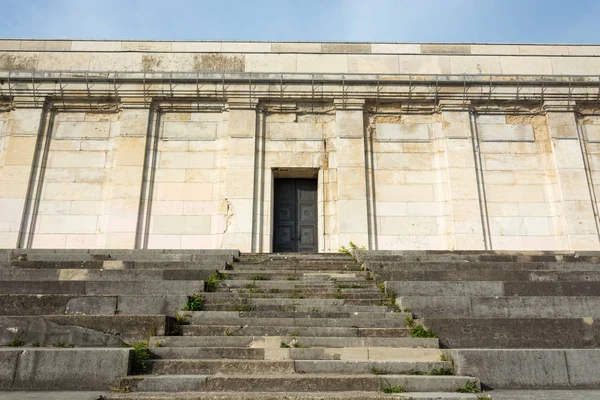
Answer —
16 342
211 283
284 345
141 355
258 278
484 397
420 332
293 278
377 371
441 371
410 321
446 357
243 305
182 319
394 389
381 287
339 294
470 387
194 302
350 249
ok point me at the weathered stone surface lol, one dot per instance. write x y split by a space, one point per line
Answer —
69 369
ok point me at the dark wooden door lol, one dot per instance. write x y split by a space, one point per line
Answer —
295 213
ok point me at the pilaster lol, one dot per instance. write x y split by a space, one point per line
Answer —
240 174
573 186
465 212
351 173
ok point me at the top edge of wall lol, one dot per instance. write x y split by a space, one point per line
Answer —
62 45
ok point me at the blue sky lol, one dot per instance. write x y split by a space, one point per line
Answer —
514 21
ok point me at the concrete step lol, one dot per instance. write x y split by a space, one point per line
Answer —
317 307
358 395
278 330
502 307
229 367
56 304
493 288
274 342
477 256
81 330
94 288
299 353
292 274
19 274
489 275
284 304
208 264
516 333
196 317
354 283
348 294
199 317
393 320
295 382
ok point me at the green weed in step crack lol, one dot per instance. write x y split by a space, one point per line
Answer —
349 251
381 287
469 387
194 302
420 332
16 342
410 322
62 345
441 372
210 285
284 345
293 278
446 357
394 389
141 354
243 305
377 371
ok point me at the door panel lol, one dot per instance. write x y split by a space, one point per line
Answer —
295 213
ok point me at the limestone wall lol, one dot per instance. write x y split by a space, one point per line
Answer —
190 161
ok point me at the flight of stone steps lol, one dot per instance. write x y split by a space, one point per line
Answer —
295 327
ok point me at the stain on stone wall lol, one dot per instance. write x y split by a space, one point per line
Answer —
215 62
10 61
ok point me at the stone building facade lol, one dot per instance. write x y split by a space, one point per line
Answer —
299 146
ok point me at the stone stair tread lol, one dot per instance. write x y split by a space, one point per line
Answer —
288 396
389 322
275 341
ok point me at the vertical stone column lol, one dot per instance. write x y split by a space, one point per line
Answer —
239 179
126 178
353 224
23 133
573 187
465 224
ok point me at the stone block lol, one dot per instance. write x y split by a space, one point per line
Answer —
505 132
72 191
445 49
169 62
295 131
126 62
346 47
189 131
514 369
322 63
396 48
67 224
475 65
369 64
70 369
99 45
8 365
423 64
408 226
73 159
23 122
18 61
575 65
216 62
296 47
184 191
526 65
186 160
63 61
271 63
99 305
404 132
180 225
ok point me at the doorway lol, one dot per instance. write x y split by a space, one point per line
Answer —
295 216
